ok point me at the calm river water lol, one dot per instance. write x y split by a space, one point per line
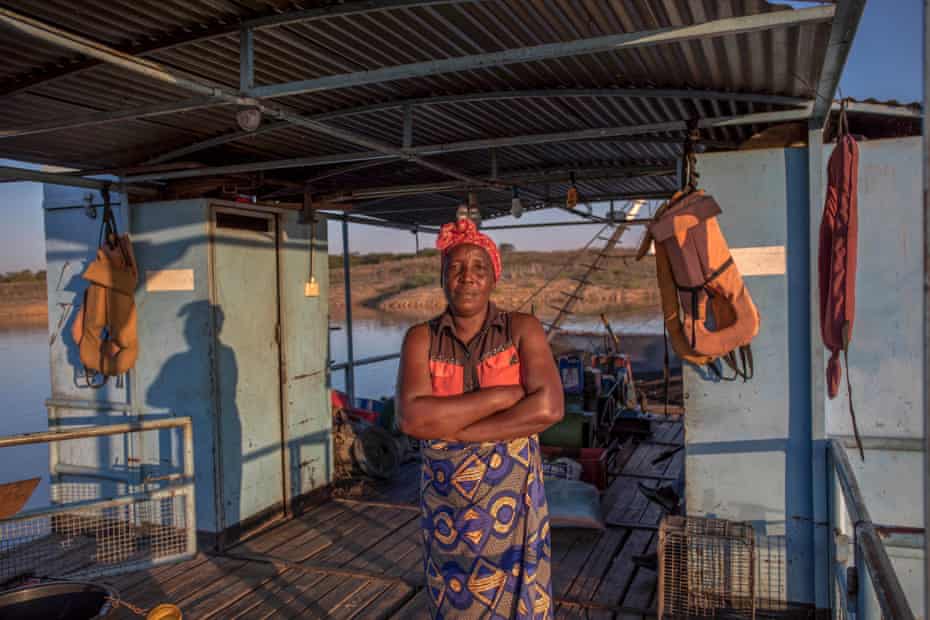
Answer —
24 379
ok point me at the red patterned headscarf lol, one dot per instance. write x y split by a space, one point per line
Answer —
464 231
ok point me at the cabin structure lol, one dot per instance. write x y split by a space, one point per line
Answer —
223 135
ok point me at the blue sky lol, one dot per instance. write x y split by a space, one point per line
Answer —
885 63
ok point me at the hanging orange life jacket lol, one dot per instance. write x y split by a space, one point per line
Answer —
836 261
105 327
694 267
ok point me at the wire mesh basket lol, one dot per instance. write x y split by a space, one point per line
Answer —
94 540
101 527
706 568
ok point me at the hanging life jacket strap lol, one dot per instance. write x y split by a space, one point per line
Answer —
694 290
852 411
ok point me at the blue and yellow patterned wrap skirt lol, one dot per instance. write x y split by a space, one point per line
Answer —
486 530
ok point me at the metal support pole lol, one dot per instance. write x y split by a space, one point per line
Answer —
347 283
820 473
926 300
408 126
246 59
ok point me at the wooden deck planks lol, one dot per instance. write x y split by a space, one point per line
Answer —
325 596
306 530
360 598
258 598
374 526
642 586
386 604
390 550
292 598
416 608
586 582
227 589
295 530
587 565
178 587
569 566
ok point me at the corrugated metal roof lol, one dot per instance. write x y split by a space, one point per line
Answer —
39 82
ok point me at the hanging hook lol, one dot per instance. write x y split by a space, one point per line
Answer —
689 156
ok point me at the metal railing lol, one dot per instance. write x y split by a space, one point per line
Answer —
868 548
100 536
364 361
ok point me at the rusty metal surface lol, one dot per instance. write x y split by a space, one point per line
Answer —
14 495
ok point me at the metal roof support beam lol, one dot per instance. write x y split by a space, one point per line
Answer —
842 33
222 28
158 72
12 174
611 132
624 93
277 164
353 7
471 145
638 221
553 175
226 138
504 208
586 173
879 109
560 202
246 59
408 126
593 45
101 118
371 221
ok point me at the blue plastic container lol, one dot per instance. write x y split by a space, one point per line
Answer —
571 369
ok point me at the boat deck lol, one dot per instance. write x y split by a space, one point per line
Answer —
360 557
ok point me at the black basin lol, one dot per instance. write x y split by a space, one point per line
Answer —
59 600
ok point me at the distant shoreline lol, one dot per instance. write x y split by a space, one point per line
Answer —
407 286
23 304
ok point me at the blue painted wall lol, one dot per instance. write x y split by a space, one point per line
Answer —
174 375
749 444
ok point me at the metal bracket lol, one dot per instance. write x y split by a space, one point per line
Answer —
89 209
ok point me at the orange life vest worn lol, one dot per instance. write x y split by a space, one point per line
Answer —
502 368
491 359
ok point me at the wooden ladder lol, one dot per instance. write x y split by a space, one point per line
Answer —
582 282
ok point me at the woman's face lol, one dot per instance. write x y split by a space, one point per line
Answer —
468 279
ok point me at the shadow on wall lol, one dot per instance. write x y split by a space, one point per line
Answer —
176 382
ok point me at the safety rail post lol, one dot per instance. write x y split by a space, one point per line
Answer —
868 545
347 284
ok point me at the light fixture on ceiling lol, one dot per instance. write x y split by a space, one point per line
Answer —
474 213
516 207
249 119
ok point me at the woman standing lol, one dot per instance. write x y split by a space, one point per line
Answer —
477 384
